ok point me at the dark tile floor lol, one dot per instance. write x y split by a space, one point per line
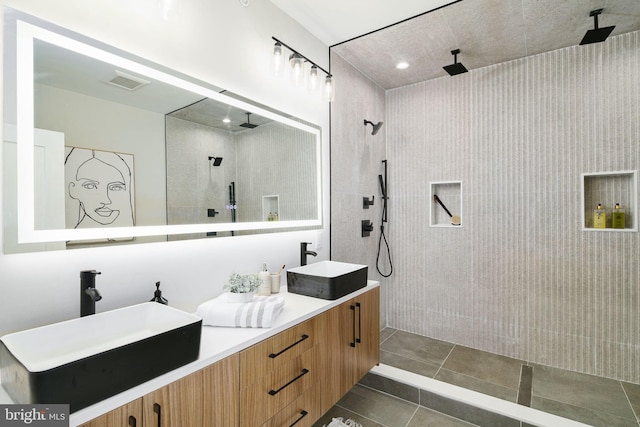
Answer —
592 400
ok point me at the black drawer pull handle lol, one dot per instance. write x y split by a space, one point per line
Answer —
158 410
132 421
353 309
302 415
274 392
274 355
359 339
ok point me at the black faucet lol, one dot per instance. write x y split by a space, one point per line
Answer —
304 252
88 292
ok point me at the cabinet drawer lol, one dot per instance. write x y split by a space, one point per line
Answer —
272 392
276 351
302 412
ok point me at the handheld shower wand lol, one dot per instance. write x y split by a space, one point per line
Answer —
385 197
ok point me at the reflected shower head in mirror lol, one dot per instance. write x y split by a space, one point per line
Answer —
376 127
216 160
248 124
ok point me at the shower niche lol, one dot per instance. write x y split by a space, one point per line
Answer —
271 208
608 189
446 204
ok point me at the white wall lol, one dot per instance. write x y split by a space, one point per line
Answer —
220 42
111 126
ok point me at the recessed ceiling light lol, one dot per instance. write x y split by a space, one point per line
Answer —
226 120
402 65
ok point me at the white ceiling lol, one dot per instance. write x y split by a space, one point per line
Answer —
336 21
486 31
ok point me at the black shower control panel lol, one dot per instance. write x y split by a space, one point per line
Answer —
367 228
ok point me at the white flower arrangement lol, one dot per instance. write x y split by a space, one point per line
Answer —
242 283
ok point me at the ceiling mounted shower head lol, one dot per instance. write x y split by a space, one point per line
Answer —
456 67
216 160
596 35
248 125
376 126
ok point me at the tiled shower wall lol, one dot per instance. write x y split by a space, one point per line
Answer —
356 162
520 277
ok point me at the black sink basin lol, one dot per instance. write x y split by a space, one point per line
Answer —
328 280
82 361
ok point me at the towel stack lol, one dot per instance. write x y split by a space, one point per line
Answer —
260 312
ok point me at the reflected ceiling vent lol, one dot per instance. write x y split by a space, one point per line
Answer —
596 35
456 67
127 81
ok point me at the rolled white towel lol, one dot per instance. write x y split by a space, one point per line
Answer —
259 313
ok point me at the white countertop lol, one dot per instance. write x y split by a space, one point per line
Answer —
215 344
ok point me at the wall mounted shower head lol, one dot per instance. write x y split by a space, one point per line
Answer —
376 127
216 160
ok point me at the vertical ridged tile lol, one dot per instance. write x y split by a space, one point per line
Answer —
520 277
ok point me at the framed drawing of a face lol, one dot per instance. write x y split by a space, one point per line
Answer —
99 188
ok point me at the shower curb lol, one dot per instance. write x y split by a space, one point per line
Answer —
458 402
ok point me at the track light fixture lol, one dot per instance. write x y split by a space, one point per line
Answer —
298 73
456 67
596 35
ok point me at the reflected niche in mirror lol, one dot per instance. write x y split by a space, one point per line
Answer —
204 160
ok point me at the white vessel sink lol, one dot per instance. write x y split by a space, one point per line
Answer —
327 279
84 360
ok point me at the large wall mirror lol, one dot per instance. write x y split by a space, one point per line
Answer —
101 147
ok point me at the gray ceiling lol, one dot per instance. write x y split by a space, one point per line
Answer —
486 31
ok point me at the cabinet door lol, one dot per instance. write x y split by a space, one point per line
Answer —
368 335
338 362
179 404
129 415
350 333
221 393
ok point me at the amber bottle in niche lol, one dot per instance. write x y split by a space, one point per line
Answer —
599 217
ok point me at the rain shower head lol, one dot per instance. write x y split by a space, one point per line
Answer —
376 127
248 125
596 35
456 67
216 160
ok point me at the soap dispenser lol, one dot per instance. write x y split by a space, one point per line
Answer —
157 296
265 278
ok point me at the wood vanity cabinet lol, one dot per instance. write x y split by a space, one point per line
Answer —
350 341
208 397
289 379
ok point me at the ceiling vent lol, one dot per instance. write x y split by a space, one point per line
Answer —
127 81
